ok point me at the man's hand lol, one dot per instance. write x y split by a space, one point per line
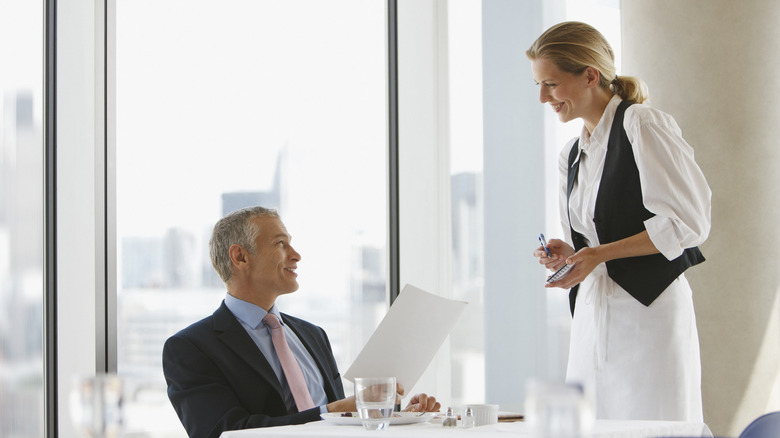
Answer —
343 405
423 403
419 403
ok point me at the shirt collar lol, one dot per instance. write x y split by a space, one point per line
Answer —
600 135
249 313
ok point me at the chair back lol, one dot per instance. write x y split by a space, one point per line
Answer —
765 426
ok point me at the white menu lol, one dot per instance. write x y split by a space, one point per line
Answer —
408 337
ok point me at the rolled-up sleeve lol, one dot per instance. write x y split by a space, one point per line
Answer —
673 186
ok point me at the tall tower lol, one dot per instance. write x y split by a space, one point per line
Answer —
233 201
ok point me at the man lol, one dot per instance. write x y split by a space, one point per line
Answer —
225 372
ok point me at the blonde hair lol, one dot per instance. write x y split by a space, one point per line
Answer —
573 46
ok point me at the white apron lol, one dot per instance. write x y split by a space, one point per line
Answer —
642 363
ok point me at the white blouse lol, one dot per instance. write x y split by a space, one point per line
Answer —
673 185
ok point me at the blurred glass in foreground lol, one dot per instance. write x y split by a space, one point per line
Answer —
558 410
375 400
96 405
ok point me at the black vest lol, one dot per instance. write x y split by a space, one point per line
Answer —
620 213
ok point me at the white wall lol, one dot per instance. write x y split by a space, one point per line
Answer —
712 64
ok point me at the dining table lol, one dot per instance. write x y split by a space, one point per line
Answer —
434 429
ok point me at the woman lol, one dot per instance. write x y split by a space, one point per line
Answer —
634 206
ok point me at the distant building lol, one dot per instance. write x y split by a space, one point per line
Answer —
467 226
142 263
233 201
237 200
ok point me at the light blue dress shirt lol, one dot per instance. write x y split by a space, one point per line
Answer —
251 318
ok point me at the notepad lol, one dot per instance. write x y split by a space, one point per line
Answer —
408 337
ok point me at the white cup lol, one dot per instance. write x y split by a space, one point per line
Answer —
375 400
484 414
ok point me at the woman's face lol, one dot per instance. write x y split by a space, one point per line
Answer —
566 93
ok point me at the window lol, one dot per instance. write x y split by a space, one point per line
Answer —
224 104
283 103
464 26
504 185
21 220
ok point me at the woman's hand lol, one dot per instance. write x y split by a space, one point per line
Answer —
559 251
584 261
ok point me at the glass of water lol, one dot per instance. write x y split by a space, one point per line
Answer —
375 400
558 410
96 405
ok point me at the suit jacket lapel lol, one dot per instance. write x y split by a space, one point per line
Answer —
235 337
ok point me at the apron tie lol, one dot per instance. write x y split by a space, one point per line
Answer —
599 294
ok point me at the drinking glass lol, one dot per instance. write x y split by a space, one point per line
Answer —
375 400
96 405
558 410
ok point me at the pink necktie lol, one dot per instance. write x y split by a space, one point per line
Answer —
292 371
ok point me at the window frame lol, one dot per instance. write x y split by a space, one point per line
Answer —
50 219
78 303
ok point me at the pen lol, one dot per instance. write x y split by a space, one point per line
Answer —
544 244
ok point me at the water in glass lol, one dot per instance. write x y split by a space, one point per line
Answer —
375 400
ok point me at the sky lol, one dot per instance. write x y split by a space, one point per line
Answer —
208 97
191 99
201 112
25 54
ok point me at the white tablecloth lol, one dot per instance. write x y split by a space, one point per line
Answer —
602 429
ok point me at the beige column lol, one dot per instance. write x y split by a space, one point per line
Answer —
715 66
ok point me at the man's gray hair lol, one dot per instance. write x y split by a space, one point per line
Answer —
237 227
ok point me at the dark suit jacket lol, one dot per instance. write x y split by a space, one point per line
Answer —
219 380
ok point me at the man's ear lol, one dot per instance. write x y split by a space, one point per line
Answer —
238 256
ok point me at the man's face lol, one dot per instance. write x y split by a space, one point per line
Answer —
272 267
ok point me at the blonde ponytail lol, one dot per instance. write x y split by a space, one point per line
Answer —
629 88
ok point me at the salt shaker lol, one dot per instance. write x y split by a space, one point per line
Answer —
467 419
450 420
